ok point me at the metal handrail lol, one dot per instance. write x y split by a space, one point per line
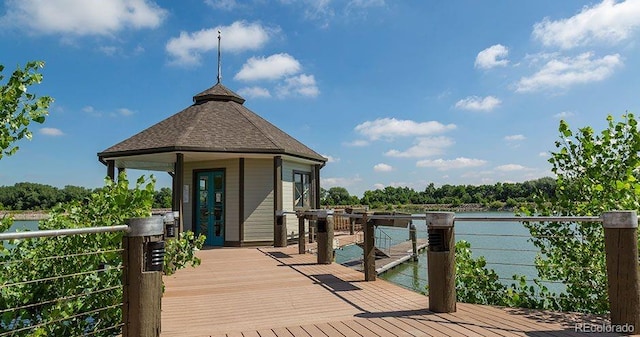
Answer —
62 232
456 218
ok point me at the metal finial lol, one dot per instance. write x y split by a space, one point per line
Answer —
219 67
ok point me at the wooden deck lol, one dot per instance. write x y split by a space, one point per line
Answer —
276 292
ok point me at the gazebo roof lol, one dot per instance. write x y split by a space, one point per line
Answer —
217 122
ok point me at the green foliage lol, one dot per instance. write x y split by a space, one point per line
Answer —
338 196
511 193
180 253
475 283
163 198
18 107
96 281
597 172
33 196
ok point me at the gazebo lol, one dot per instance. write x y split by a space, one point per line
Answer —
231 169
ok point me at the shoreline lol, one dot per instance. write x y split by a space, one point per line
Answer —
44 215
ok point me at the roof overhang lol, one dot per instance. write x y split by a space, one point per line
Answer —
165 161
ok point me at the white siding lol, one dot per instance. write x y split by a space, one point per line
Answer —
287 192
258 200
232 194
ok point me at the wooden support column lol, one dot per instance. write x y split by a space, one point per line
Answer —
178 197
369 258
413 236
301 233
142 256
121 170
325 238
441 262
241 199
315 188
280 230
277 190
111 169
623 273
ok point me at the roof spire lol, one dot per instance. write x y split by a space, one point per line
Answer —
219 67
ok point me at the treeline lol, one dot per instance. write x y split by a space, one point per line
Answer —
34 197
507 194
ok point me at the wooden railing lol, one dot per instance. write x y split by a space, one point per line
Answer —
621 248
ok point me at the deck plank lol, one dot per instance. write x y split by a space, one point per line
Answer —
276 292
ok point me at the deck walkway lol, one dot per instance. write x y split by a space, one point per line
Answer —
276 292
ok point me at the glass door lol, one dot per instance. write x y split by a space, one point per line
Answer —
210 207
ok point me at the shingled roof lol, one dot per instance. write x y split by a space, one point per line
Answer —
216 122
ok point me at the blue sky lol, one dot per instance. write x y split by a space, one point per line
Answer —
394 93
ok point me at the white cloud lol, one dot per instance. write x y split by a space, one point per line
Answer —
335 181
82 17
564 114
564 72
493 56
125 112
187 48
356 143
366 3
391 127
303 85
458 163
91 111
268 68
424 147
330 159
476 103
513 138
543 154
226 5
379 186
608 22
254 92
51 132
511 168
382 167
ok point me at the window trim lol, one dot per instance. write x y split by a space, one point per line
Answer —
308 189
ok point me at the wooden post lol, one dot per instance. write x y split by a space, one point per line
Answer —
369 257
441 262
623 274
178 190
111 169
280 230
312 229
301 233
325 239
414 242
142 277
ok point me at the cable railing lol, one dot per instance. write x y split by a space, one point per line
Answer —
80 281
54 283
500 247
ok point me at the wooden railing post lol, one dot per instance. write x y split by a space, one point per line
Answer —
301 233
413 235
312 229
441 262
280 230
325 238
143 256
369 258
623 274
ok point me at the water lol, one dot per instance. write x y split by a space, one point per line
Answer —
481 235
31 225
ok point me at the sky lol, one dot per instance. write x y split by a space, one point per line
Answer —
393 93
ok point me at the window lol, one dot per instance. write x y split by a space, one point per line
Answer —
301 190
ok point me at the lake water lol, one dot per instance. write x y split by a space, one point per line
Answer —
485 238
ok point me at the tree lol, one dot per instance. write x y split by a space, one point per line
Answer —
74 301
18 107
595 173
